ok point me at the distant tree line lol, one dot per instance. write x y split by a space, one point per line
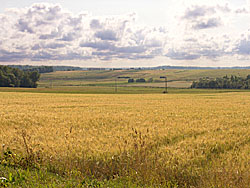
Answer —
40 69
139 80
233 82
46 69
14 77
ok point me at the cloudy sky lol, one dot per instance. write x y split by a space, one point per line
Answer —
119 33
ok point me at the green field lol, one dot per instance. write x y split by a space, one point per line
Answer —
107 82
176 78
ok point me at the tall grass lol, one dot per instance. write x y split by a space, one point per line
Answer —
150 141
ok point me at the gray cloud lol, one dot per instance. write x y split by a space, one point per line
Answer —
36 47
74 56
24 26
190 40
206 24
178 55
107 51
135 57
69 37
42 55
54 45
46 55
195 53
242 11
211 53
205 17
198 11
46 11
103 54
154 43
6 56
206 47
95 24
106 35
102 45
131 49
225 8
243 47
52 35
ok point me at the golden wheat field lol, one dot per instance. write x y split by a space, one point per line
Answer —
200 140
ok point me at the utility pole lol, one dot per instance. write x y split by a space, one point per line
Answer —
115 86
119 77
51 83
166 84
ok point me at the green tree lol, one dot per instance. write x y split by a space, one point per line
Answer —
234 82
13 77
34 76
140 80
131 80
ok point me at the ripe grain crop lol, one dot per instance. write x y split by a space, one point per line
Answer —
180 140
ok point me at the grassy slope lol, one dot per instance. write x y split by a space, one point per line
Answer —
120 90
91 82
107 78
33 178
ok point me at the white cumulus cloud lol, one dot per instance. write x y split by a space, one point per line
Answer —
48 32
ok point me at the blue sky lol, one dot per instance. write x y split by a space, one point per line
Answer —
118 33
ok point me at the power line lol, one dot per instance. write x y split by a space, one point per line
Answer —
166 84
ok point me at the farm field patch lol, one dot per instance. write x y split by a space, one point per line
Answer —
199 140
